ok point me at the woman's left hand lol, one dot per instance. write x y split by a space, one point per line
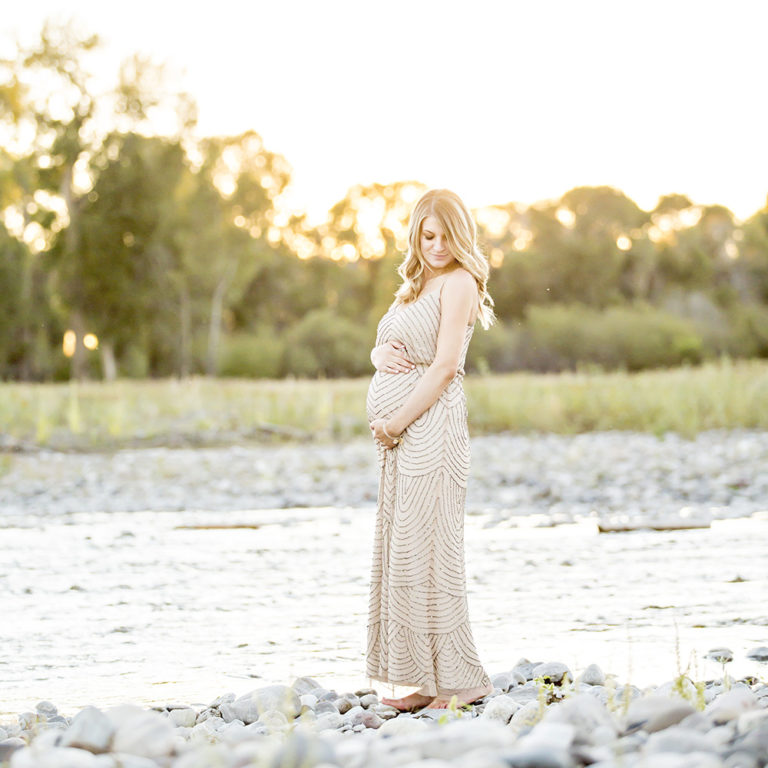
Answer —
377 429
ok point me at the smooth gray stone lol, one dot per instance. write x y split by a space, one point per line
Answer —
141 732
326 720
742 759
593 675
273 719
227 712
208 713
327 696
525 716
524 693
326 707
402 725
503 681
280 698
184 718
126 760
90 729
219 755
28 719
758 654
525 668
553 672
501 709
676 738
304 685
57 757
369 700
46 708
720 655
729 705
58 719
308 701
585 713
9 746
654 713
226 698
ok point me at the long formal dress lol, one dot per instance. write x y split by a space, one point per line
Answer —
418 625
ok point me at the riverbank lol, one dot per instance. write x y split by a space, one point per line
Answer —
215 412
549 478
537 716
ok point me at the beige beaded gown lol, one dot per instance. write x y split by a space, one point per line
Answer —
418 625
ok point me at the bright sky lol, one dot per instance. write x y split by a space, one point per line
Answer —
497 99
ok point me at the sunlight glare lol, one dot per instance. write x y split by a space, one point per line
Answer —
566 217
90 341
68 343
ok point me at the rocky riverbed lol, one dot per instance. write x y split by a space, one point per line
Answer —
538 716
559 478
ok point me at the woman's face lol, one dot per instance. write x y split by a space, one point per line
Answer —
434 247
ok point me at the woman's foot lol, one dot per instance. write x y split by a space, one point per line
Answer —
408 703
462 697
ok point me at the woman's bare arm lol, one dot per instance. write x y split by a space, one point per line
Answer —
458 300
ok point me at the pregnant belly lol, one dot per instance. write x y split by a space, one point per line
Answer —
388 391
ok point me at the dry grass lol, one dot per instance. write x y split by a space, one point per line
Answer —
199 410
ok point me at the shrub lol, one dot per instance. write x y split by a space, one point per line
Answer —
632 337
324 344
252 355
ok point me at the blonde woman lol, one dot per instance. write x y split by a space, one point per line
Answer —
418 625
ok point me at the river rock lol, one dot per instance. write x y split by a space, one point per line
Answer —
90 729
501 709
140 732
503 681
729 705
58 757
326 707
525 716
654 713
279 698
301 751
46 708
302 685
9 746
329 720
219 755
587 716
593 675
308 700
399 726
525 668
720 655
369 700
758 654
678 738
547 745
226 698
185 717
553 672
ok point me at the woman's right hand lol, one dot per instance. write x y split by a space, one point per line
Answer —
390 358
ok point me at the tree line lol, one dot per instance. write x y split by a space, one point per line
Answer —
174 253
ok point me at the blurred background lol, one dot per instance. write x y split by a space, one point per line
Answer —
228 195
202 210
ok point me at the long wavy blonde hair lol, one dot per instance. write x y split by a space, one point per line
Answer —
461 236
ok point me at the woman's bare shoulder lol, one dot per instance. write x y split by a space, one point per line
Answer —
461 280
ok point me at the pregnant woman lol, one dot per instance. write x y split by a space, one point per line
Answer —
418 625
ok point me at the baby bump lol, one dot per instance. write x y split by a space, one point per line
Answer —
387 392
